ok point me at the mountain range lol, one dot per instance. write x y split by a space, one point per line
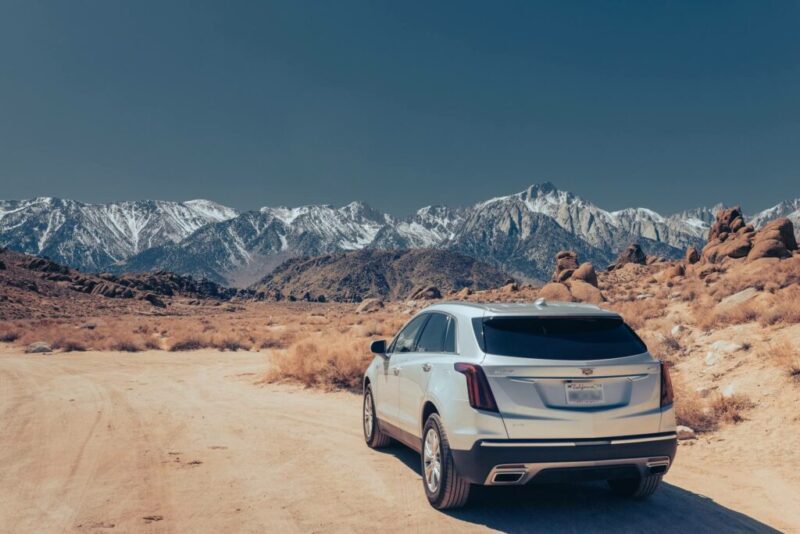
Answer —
519 233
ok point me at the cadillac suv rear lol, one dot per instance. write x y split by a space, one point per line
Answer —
500 394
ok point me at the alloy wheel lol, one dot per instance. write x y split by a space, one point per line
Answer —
431 458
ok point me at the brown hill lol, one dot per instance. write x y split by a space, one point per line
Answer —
397 274
32 286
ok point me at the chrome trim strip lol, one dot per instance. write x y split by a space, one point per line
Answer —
622 441
644 440
527 444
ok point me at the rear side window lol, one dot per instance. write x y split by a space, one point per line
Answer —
437 336
557 338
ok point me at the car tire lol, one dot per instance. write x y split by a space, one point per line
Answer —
450 490
636 488
373 435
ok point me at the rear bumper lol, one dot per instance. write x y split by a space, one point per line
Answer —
522 461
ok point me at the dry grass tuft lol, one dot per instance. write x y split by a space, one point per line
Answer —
730 409
335 362
705 415
786 357
190 342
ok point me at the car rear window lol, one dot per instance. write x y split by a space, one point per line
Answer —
557 338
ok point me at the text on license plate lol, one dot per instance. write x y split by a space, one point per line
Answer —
584 393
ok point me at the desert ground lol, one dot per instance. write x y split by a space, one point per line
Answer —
197 441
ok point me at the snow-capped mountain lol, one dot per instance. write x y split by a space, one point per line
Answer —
520 232
92 236
788 208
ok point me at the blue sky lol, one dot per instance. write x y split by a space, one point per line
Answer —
666 105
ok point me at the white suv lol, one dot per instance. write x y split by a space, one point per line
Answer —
509 394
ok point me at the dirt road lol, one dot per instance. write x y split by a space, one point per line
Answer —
162 442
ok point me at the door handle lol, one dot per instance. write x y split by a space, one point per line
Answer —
426 367
396 370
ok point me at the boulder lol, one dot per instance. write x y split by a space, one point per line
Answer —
426 293
684 432
369 305
463 294
510 288
725 221
775 240
768 248
738 298
728 237
675 271
566 263
586 273
631 255
692 255
555 291
154 300
46 266
585 292
38 347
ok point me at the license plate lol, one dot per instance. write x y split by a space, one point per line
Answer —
584 393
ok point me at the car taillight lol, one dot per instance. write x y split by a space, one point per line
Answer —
667 396
480 394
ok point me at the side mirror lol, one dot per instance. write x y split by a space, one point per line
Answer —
379 347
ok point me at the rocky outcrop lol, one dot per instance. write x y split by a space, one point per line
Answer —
730 237
775 240
566 264
369 306
633 254
426 293
586 273
572 282
38 347
567 268
692 255
555 291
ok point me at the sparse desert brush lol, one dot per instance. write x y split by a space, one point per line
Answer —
69 345
127 344
784 307
638 312
9 336
730 408
706 414
785 356
231 343
188 342
332 362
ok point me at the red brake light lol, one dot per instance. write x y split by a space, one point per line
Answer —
480 394
667 395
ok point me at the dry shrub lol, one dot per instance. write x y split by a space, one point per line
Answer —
705 415
9 336
691 410
784 308
729 409
190 342
69 345
333 362
127 344
230 343
272 343
785 356
637 312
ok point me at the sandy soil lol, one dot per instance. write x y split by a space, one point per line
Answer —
163 442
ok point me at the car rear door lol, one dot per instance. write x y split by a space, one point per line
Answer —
432 345
573 378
